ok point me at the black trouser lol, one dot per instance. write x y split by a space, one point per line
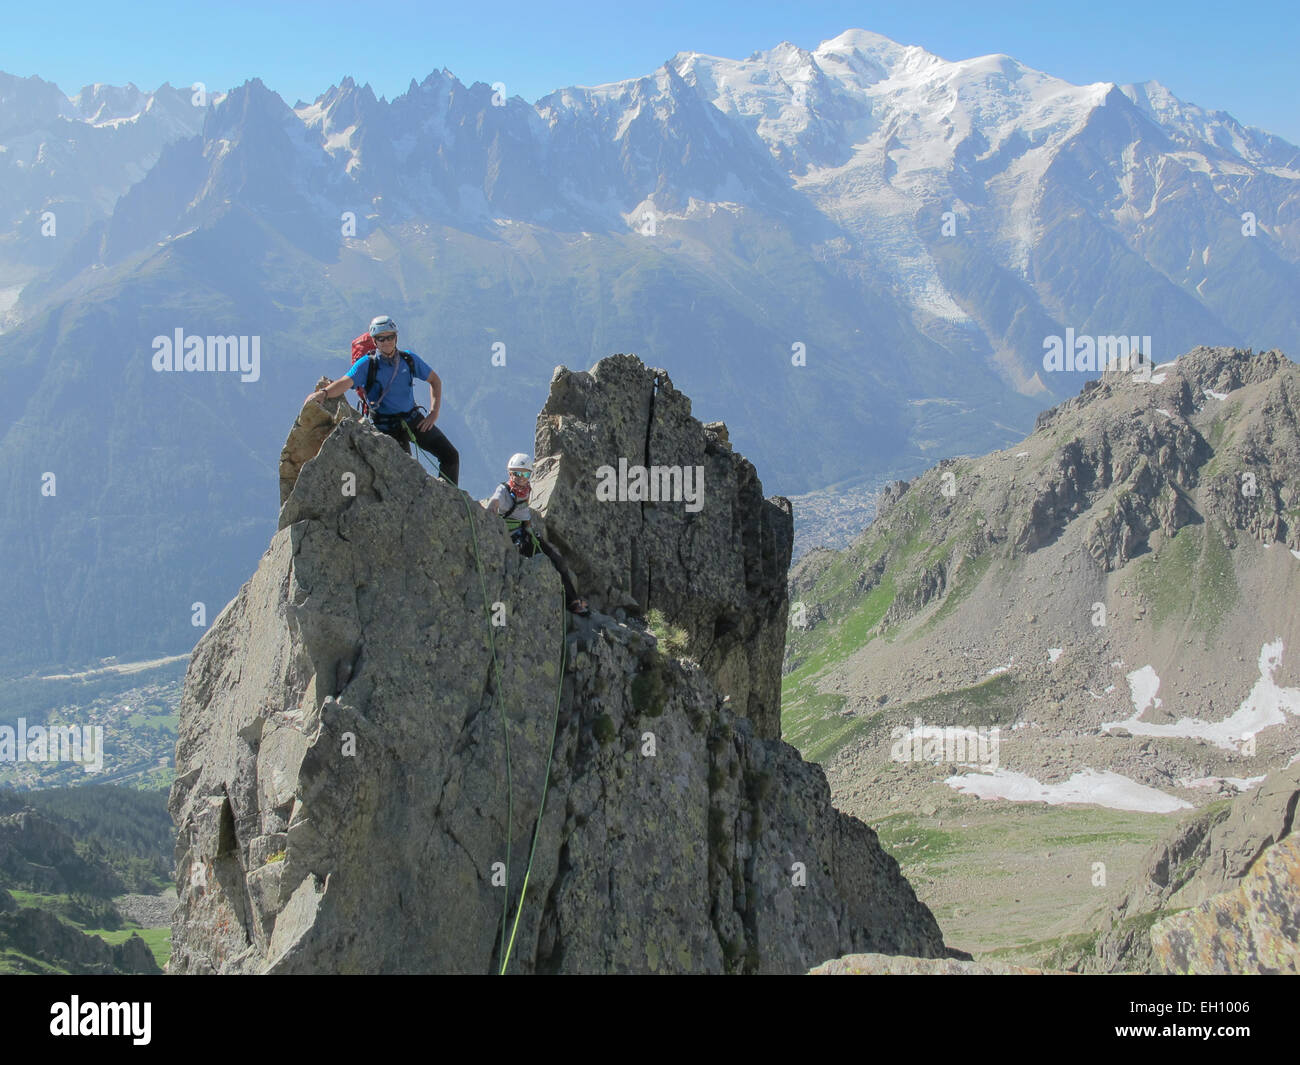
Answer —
431 440
524 537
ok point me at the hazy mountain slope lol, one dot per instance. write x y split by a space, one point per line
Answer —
158 472
1127 496
64 161
912 228
1110 598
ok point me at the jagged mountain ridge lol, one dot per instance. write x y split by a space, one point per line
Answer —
986 136
1114 596
1094 503
72 157
678 835
815 228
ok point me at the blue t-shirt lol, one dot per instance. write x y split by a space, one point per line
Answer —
399 397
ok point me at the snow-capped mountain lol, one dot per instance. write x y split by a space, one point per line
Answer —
884 139
65 161
855 254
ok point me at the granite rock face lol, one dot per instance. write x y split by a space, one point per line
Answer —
345 798
1253 928
314 423
708 551
1234 875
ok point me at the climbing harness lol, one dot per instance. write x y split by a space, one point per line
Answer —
519 527
514 500
518 531
372 372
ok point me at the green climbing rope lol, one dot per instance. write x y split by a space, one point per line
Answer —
496 670
546 784
506 948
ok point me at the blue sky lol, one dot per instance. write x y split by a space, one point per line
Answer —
1232 57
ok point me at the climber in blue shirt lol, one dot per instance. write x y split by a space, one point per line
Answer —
386 379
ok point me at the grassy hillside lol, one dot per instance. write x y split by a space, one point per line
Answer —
68 855
1103 595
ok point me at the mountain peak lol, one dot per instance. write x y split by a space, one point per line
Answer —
877 47
781 53
378 750
864 42
865 58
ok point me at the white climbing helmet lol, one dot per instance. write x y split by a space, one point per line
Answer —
519 461
382 324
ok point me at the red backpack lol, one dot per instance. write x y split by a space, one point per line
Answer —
363 345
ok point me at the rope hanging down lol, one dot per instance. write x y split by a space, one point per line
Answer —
546 783
506 948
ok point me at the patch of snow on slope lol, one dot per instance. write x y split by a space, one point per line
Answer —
1087 786
1267 704
340 140
1143 685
